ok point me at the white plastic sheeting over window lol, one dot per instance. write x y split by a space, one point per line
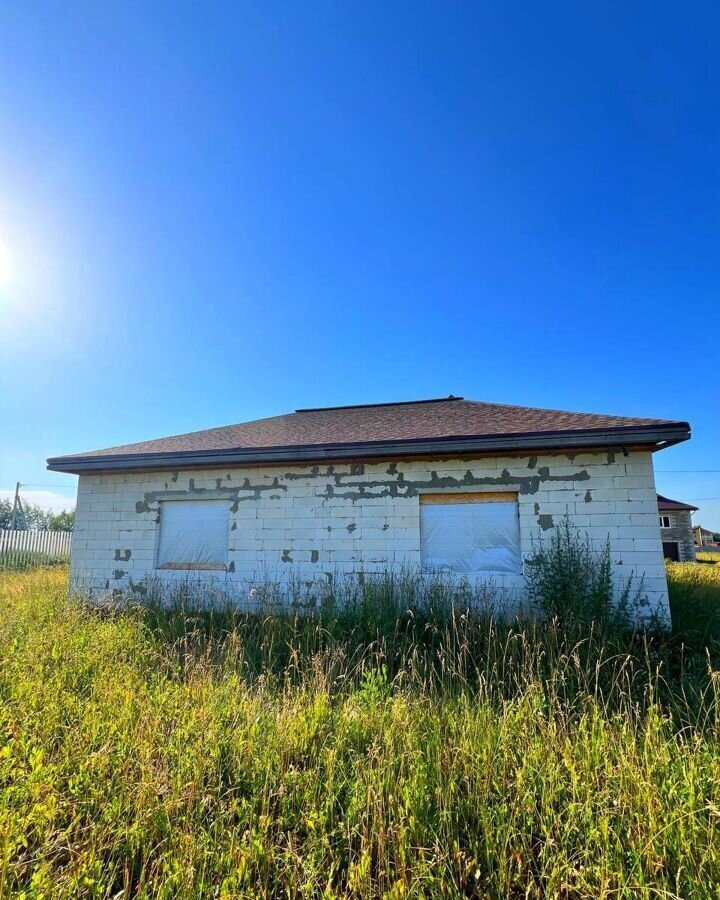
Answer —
470 537
193 534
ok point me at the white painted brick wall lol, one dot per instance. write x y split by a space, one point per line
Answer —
346 517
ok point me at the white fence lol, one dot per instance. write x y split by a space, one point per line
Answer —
26 548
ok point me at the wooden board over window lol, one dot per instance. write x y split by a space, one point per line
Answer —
471 497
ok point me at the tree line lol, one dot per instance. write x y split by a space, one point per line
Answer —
36 518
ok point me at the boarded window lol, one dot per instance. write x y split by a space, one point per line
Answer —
193 534
470 533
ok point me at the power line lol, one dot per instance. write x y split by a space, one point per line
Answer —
56 487
686 471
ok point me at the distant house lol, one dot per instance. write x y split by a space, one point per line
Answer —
453 486
676 529
703 537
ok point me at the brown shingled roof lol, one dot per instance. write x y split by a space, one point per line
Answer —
666 503
449 419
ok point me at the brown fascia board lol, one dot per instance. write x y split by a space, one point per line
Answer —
652 437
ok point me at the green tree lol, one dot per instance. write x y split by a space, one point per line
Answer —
63 521
5 513
37 518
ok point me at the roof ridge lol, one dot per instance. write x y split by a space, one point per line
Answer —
370 405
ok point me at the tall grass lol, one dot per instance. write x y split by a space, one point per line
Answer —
695 601
387 749
708 556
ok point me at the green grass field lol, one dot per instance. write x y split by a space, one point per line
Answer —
695 602
708 556
379 753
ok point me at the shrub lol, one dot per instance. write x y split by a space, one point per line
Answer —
568 579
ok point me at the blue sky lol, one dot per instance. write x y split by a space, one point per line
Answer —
215 212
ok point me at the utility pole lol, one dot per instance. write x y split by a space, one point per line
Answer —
16 507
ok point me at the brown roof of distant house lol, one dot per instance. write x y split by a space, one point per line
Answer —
447 421
666 503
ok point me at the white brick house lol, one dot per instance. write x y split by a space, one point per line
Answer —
451 485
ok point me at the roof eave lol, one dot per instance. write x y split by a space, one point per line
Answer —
653 437
676 506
